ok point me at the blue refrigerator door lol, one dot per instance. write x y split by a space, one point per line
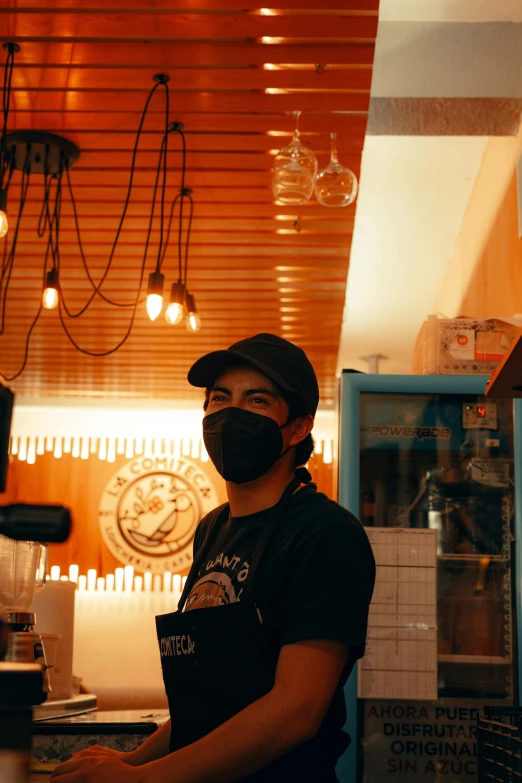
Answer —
432 452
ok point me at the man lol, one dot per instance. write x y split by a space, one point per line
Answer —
275 608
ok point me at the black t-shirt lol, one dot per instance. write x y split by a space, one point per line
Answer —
315 581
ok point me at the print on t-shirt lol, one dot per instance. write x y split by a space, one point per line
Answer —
218 587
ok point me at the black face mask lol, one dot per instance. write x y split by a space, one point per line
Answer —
241 444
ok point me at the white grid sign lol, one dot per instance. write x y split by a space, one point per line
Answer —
401 651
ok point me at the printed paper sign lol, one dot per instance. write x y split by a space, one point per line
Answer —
416 742
401 651
463 345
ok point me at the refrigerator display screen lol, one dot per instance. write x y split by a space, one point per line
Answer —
481 416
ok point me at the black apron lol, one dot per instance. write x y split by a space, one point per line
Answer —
217 661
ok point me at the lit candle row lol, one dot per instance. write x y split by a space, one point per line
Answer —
123 580
28 448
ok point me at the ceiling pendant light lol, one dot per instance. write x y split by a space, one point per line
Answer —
4 225
176 309
155 295
193 322
50 297
24 154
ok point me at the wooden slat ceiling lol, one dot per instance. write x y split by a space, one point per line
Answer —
84 71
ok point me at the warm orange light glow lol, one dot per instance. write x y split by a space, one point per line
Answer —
154 306
174 314
268 39
267 12
193 322
50 298
4 225
271 67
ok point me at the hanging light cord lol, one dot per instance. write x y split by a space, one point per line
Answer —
51 221
187 241
183 193
97 288
44 212
10 378
165 147
6 101
7 267
131 323
159 169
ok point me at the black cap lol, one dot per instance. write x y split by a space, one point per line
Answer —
280 360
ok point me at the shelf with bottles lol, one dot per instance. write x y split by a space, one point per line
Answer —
488 660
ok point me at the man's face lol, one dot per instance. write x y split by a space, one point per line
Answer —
246 388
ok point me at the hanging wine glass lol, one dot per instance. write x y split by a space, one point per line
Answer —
336 186
295 168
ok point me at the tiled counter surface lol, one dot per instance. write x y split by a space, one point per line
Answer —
123 730
62 746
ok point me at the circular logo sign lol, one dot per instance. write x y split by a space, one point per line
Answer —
150 509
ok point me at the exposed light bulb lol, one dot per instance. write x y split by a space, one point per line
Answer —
50 298
176 309
193 322
155 295
50 294
4 225
154 305
174 313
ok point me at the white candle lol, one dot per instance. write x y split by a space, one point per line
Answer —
118 582
55 573
128 577
167 581
91 579
74 570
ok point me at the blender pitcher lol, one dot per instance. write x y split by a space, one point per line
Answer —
23 565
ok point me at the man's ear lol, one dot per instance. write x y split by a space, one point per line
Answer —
300 429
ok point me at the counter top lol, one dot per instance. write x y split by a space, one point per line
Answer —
38 777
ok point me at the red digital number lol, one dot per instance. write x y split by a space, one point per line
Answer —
481 412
